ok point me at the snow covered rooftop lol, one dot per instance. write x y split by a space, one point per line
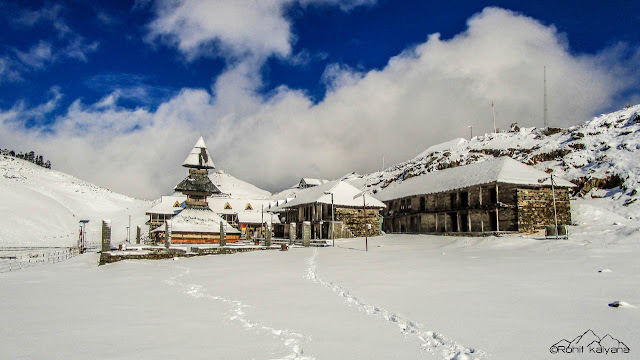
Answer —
198 221
225 205
501 170
167 205
199 157
254 217
313 182
343 195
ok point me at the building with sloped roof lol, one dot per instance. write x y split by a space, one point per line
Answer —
166 209
250 216
489 196
314 205
311 182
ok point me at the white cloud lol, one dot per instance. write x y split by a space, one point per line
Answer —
37 56
48 13
129 86
423 96
345 5
239 27
9 70
231 28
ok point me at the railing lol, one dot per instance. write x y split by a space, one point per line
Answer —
13 259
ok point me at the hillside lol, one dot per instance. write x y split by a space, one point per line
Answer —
601 153
42 207
238 189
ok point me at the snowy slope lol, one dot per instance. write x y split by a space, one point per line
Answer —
604 149
237 188
42 207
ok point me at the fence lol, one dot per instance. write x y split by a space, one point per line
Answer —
12 259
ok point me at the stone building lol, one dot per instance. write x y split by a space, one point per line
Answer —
314 205
490 196
197 223
310 182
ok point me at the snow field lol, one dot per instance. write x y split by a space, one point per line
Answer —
408 297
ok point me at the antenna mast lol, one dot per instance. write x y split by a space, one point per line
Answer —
546 119
493 107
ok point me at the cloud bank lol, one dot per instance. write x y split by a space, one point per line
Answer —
426 95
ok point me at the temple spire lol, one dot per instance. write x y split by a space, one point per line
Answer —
199 157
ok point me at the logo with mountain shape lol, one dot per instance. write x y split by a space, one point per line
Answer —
591 343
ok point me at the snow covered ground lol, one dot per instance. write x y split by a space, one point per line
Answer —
409 297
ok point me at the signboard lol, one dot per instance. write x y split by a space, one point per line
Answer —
243 231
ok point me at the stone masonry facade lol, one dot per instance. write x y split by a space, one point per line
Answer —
353 219
483 208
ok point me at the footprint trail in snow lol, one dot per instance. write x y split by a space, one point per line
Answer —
431 341
292 341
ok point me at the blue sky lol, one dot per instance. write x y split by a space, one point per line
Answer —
328 85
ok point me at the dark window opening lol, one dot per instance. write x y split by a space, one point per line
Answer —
464 223
453 219
453 200
464 199
493 195
423 204
494 221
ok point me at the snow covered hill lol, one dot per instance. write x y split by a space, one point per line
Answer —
42 207
601 153
238 189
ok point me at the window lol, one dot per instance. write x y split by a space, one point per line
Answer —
493 195
227 206
176 204
464 199
248 207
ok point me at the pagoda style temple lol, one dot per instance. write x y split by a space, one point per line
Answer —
197 223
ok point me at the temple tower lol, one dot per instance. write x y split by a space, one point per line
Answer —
197 186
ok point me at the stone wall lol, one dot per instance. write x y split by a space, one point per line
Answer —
353 219
161 254
535 208
201 238
474 210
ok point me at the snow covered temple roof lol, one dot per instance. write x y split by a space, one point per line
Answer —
192 220
199 157
501 170
197 182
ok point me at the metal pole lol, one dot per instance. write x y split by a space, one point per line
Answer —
333 234
129 231
262 224
555 213
366 238
493 107
470 131
545 114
